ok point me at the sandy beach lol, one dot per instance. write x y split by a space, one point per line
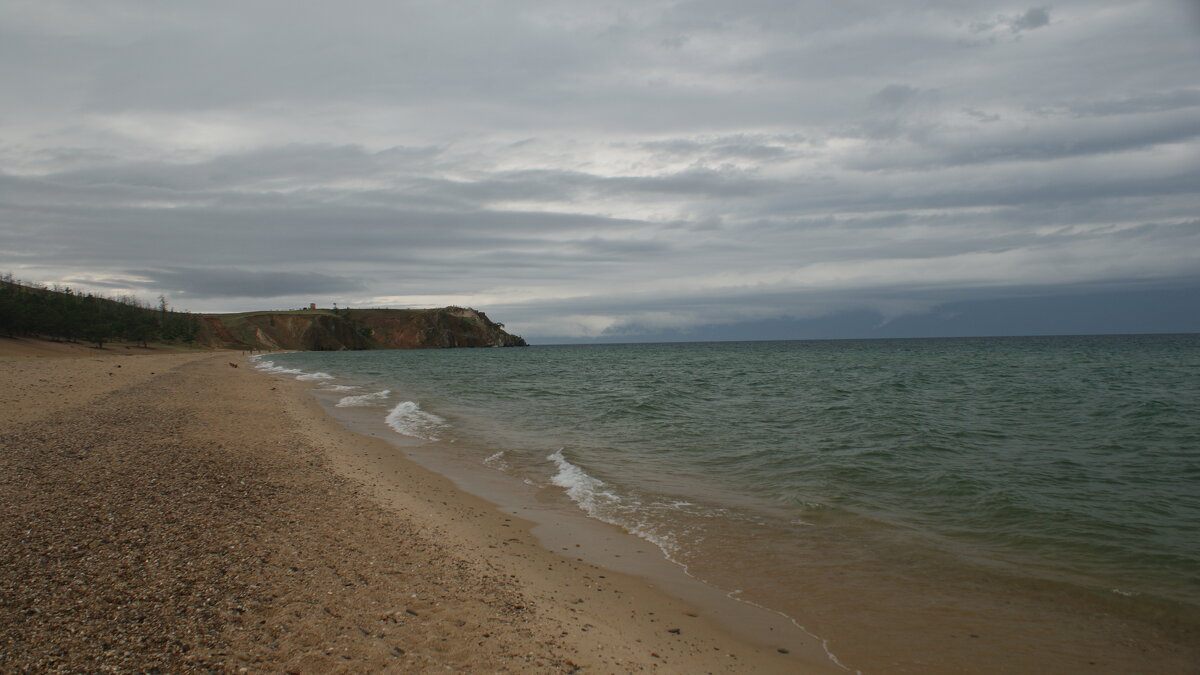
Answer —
169 512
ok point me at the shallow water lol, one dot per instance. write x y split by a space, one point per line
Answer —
1043 488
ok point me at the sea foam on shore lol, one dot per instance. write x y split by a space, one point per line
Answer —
408 419
372 399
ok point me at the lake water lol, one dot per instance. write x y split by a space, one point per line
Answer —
983 505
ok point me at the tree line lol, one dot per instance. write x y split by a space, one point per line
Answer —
68 314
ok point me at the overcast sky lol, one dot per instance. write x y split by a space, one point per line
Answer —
613 169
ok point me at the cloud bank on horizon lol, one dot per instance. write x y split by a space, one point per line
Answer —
608 169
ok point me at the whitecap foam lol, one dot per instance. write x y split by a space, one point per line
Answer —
270 367
363 399
496 461
583 489
598 501
407 418
338 387
313 377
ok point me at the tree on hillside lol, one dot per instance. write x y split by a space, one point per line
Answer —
99 333
66 313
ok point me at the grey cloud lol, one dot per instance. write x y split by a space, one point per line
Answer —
981 115
382 51
698 181
700 316
574 185
1033 141
895 96
262 169
1035 18
1146 103
1032 19
615 249
307 229
899 109
763 148
196 282
539 151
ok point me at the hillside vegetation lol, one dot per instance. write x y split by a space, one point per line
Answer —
322 330
62 313
67 314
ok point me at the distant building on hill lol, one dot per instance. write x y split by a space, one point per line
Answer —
312 305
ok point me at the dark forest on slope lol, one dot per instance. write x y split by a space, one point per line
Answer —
31 310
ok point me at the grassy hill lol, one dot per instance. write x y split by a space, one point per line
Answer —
28 310
324 329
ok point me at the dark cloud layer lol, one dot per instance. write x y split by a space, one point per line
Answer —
189 283
642 169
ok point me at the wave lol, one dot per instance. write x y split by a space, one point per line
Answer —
270 367
408 419
598 501
364 399
586 490
496 461
313 377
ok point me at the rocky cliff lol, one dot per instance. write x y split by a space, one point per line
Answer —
327 330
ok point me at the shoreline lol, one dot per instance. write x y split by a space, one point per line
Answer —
169 511
651 585
888 610
561 528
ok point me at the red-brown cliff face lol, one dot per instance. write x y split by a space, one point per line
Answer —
325 330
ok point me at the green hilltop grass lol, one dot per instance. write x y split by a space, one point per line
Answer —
297 312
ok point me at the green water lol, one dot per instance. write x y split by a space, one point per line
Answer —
1061 460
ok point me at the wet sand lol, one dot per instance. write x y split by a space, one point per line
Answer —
172 512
